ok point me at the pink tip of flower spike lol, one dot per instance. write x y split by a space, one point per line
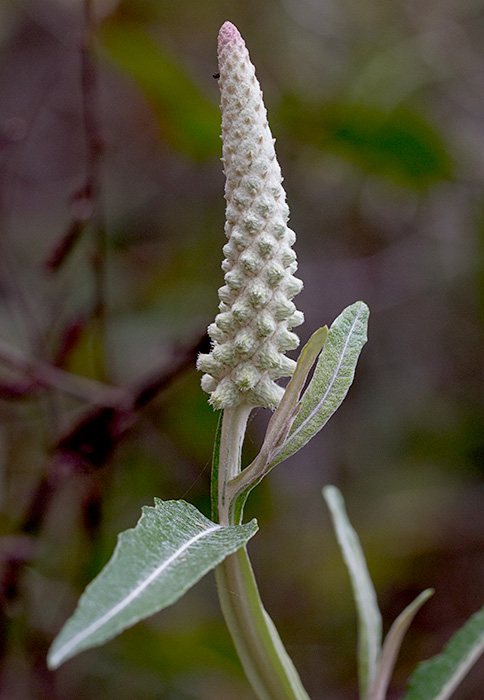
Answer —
228 34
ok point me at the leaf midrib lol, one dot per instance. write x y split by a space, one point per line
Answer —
311 415
78 638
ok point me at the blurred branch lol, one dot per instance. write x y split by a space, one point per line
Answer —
86 447
183 358
94 148
46 375
86 202
74 231
91 441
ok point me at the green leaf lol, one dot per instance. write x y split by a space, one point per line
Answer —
187 119
400 144
215 467
438 677
239 488
171 548
369 617
391 647
331 380
283 416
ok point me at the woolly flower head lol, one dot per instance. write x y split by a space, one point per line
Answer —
252 331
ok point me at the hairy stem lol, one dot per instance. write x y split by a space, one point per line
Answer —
234 423
266 663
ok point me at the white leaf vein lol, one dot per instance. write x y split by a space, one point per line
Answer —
322 400
83 634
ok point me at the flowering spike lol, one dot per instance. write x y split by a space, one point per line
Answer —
251 333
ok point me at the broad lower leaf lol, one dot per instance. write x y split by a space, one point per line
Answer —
170 549
369 617
437 678
393 642
332 378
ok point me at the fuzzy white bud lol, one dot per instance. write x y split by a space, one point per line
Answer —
251 334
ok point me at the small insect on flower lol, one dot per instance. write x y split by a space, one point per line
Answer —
252 331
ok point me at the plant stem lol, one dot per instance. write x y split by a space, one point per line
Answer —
266 663
234 423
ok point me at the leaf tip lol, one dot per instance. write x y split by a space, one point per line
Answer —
55 656
51 664
331 494
253 525
426 594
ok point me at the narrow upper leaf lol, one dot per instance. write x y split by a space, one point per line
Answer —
369 617
438 677
215 466
170 549
279 425
281 421
393 642
331 380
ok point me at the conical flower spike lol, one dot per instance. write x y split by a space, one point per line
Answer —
252 331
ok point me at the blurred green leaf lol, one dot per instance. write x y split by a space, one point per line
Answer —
154 564
438 677
188 120
369 617
201 641
399 144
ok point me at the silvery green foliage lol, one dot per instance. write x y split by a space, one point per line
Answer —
369 617
375 662
331 381
295 420
170 549
252 331
438 677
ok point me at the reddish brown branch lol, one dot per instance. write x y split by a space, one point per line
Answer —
42 374
91 441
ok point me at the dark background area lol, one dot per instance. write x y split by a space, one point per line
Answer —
111 229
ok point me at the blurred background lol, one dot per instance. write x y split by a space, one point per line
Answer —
111 219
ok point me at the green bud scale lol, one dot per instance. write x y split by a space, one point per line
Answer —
252 331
